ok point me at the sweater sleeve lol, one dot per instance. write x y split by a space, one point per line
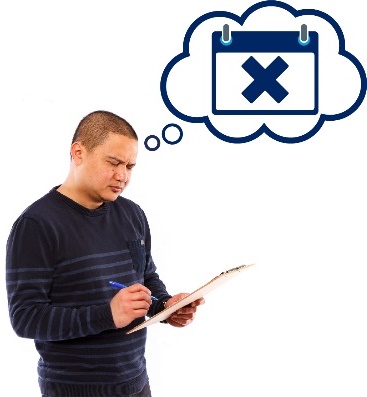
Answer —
29 281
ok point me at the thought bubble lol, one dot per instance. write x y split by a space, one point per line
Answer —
273 70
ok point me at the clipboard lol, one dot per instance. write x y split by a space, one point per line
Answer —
198 293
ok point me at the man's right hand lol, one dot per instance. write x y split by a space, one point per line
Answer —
130 303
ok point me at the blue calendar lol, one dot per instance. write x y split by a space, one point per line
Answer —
264 72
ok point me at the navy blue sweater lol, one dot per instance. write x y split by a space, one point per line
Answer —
60 258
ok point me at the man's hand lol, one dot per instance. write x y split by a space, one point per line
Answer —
186 314
130 303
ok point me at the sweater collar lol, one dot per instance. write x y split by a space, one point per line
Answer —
73 204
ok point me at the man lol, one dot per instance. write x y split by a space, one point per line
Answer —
61 254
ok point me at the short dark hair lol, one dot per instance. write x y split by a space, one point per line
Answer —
94 128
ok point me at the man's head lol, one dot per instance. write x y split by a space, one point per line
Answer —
94 128
103 152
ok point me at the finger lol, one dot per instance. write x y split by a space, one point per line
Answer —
135 288
182 317
181 321
142 296
186 310
140 304
175 324
198 302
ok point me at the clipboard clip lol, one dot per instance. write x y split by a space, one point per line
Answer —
238 268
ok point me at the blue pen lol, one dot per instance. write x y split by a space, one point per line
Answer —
121 286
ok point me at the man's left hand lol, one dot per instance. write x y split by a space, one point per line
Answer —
186 314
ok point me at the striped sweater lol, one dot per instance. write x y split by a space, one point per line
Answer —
60 258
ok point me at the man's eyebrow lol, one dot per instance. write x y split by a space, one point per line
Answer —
116 159
120 160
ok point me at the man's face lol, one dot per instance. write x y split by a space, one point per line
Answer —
105 171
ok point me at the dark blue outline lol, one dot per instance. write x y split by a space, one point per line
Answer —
263 129
164 134
152 149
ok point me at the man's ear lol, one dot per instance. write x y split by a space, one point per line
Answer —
76 152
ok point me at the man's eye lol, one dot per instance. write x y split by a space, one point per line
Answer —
114 163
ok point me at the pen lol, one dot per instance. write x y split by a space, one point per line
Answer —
121 286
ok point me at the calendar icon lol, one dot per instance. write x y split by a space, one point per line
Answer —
265 72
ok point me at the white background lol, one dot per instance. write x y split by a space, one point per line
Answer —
293 324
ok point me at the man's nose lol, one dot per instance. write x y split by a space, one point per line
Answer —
121 174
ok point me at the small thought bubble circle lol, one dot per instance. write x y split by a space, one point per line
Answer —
152 148
169 126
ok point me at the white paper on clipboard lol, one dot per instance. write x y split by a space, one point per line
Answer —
199 293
